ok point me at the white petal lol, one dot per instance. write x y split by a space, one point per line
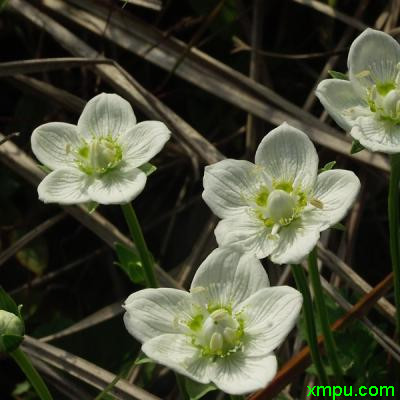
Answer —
53 143
296 240
376 135
288 155
373 58
64 186
342 102
269 316
229 277
336 190
142 142
245 232
239 374
118 186
104 115
153 312
230 185
178 353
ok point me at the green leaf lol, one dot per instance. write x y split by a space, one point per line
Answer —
21 388
340 227
197 390
338 75
7 303
327 166
148 168
10 342
91 206
356 147
3 3
130 263
45 169
142 359
35 256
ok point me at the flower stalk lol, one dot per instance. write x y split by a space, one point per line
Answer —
323 316
393 213
301 283
30 372
137 236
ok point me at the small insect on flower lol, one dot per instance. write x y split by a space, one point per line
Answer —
278 206
100 158
224 330
368 104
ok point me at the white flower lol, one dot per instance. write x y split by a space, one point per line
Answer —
97 160
224 330
279 206
368 105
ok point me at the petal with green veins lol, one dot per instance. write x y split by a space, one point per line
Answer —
229 277
373 59
143 141
153 312
53 144
336 190
230 185
239 374
269 315
288 155
65 186
106 115
118 186
342 102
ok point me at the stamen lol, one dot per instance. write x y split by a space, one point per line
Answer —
317 203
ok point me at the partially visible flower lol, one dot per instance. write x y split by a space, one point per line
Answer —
278 206
10 325
368 105
97 160
224 330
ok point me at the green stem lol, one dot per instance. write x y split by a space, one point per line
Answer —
301 283
137 236
30 372
109 387
393 213
237 397
330 344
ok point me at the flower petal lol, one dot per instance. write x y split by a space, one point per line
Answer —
246 233
269 315
229 277
288 155
296 240
106 114
64 186
53 143
118 186
373 58
142 142
153 312
178 353
229 185
376 135
239 374
336 190
342 102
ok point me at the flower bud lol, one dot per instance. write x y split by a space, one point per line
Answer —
10 324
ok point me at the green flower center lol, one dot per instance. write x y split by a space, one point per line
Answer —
279 206
99 156
384 100
217 332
